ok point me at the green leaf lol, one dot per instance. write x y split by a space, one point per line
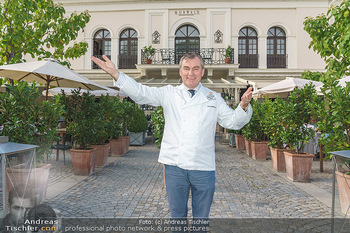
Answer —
37 28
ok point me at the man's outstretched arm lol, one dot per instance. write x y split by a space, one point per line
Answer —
107 65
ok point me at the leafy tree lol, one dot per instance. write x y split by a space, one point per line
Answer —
81 113
102 125
332 112
114 112
157 118
139 122
315 76
127 111
41 29
26 119
272 121
330 34
254 129
295 117
330 37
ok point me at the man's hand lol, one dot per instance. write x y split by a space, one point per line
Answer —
107 65
246 98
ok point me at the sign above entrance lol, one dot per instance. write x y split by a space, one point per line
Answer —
186 12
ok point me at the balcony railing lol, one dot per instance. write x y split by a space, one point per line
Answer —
248 60
170 56
277 61
211 56
127 61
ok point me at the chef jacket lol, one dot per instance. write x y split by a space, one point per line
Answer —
190 123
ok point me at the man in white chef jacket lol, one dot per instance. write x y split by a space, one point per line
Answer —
187 148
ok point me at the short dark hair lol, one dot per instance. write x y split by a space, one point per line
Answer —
42 212
191 55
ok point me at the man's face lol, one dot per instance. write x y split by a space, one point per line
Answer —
18 208
191 72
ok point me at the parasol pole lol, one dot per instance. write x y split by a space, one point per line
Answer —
47 86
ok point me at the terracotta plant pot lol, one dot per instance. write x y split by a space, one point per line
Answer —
101 155
227 60
125 143
248 148
35 178
298 166
343 181
259 150
240 144
83 161
116 147
277 159
148 61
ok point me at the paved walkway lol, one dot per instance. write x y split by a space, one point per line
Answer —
132 187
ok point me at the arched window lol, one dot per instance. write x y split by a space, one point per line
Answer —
248 48
276 48
186 40
102 45
128 43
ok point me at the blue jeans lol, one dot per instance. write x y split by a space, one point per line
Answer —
179 182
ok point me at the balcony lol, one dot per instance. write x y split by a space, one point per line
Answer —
165 64
277 61
211 56
248 60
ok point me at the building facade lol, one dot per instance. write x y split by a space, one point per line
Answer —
267 37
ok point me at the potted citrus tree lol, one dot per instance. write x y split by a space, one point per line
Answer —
100 136
295 117
127 110
333 120
138 127
149 52
228 54
259 143
274 129
247 133
81 110
328 33
114 127
239 139
27 119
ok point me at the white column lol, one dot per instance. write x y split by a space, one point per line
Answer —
171 40
87 61
291 50
141 43
235 46
237 99
148 28
165 37
262 50
114 50
203 40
